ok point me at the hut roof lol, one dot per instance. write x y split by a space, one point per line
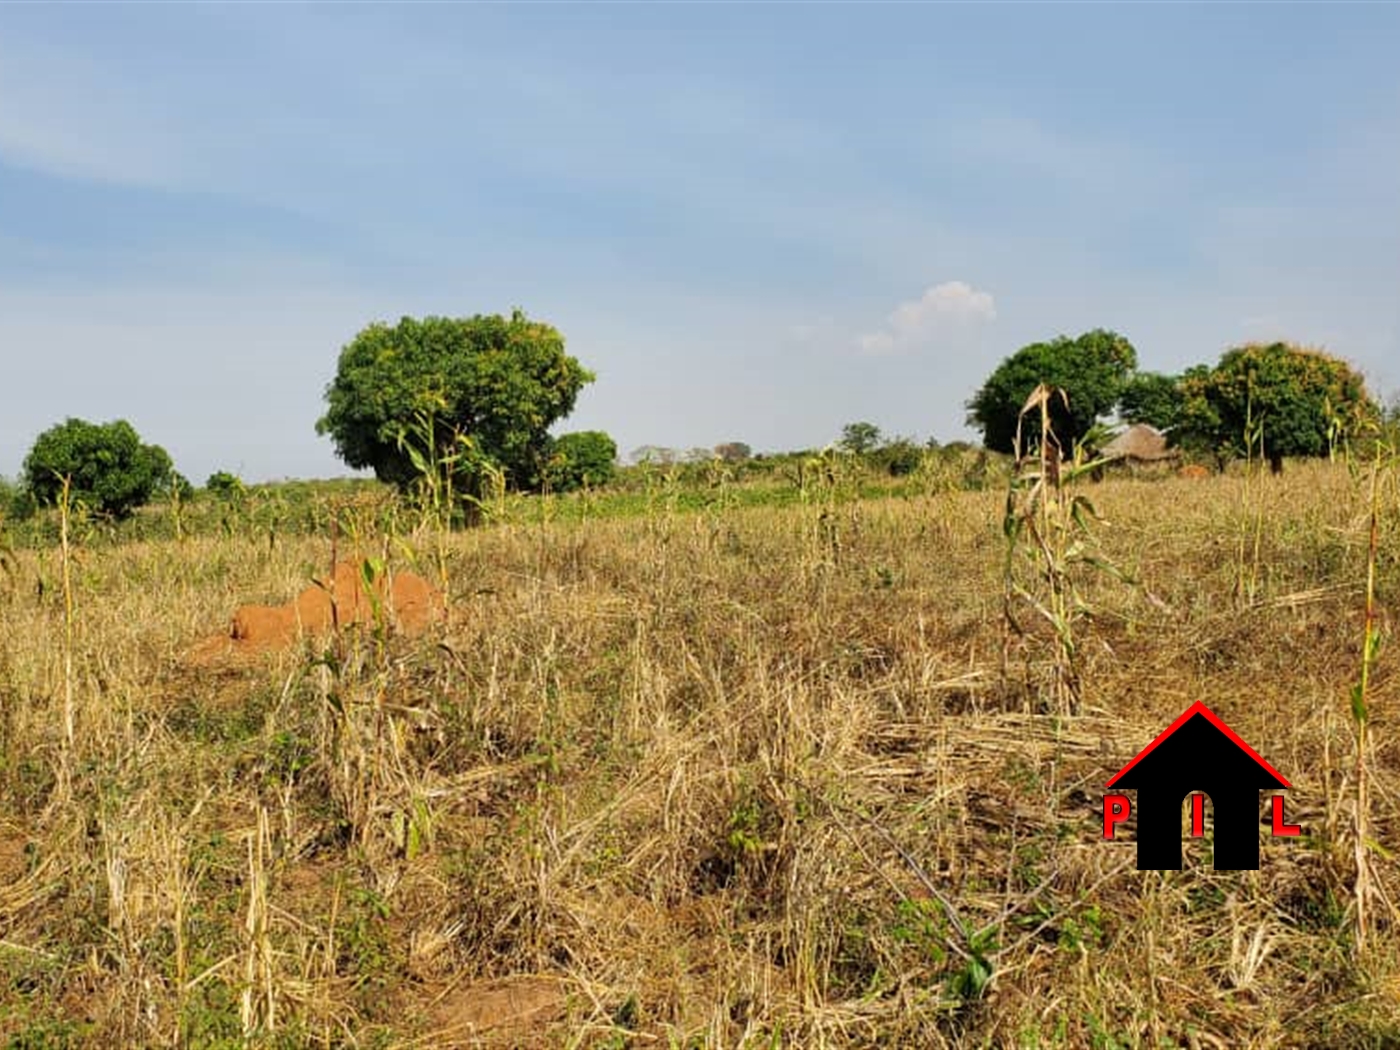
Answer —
1139 442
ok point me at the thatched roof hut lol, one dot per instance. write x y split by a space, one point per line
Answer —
1140 443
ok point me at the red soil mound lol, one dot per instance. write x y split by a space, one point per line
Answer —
408 602
1194 470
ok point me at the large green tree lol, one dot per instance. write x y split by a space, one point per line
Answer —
1294 401
499 381
1091 370
109 469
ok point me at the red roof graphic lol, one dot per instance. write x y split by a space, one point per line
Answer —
1210 716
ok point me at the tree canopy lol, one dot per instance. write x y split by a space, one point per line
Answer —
583 458
1092 370
112 472
1152 398
860 437
423 384
1294 401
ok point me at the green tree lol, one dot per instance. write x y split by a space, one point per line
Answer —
1092 371
586 457
1294 401
860 438
500 382
1152 398
112 472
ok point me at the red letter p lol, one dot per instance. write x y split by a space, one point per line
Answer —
1115 811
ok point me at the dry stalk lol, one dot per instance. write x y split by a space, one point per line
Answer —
1364 889
1045 524
66 561
258 1000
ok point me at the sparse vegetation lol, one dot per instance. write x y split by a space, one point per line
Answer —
693 774
718 749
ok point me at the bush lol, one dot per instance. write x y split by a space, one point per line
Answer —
585 458
176 484
898 458
111 471
224 485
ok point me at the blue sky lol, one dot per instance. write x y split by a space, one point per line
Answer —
754 223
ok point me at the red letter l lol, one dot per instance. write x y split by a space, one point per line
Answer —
1280 828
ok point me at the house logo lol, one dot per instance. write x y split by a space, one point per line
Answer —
1197 755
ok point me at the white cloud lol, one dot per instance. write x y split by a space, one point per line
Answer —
940 311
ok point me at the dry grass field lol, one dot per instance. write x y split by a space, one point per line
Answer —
766 777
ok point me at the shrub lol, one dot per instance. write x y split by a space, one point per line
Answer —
586 457
898 458
224 485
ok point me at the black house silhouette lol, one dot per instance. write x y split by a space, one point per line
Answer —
1198 752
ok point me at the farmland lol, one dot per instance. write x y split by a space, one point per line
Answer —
694 766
